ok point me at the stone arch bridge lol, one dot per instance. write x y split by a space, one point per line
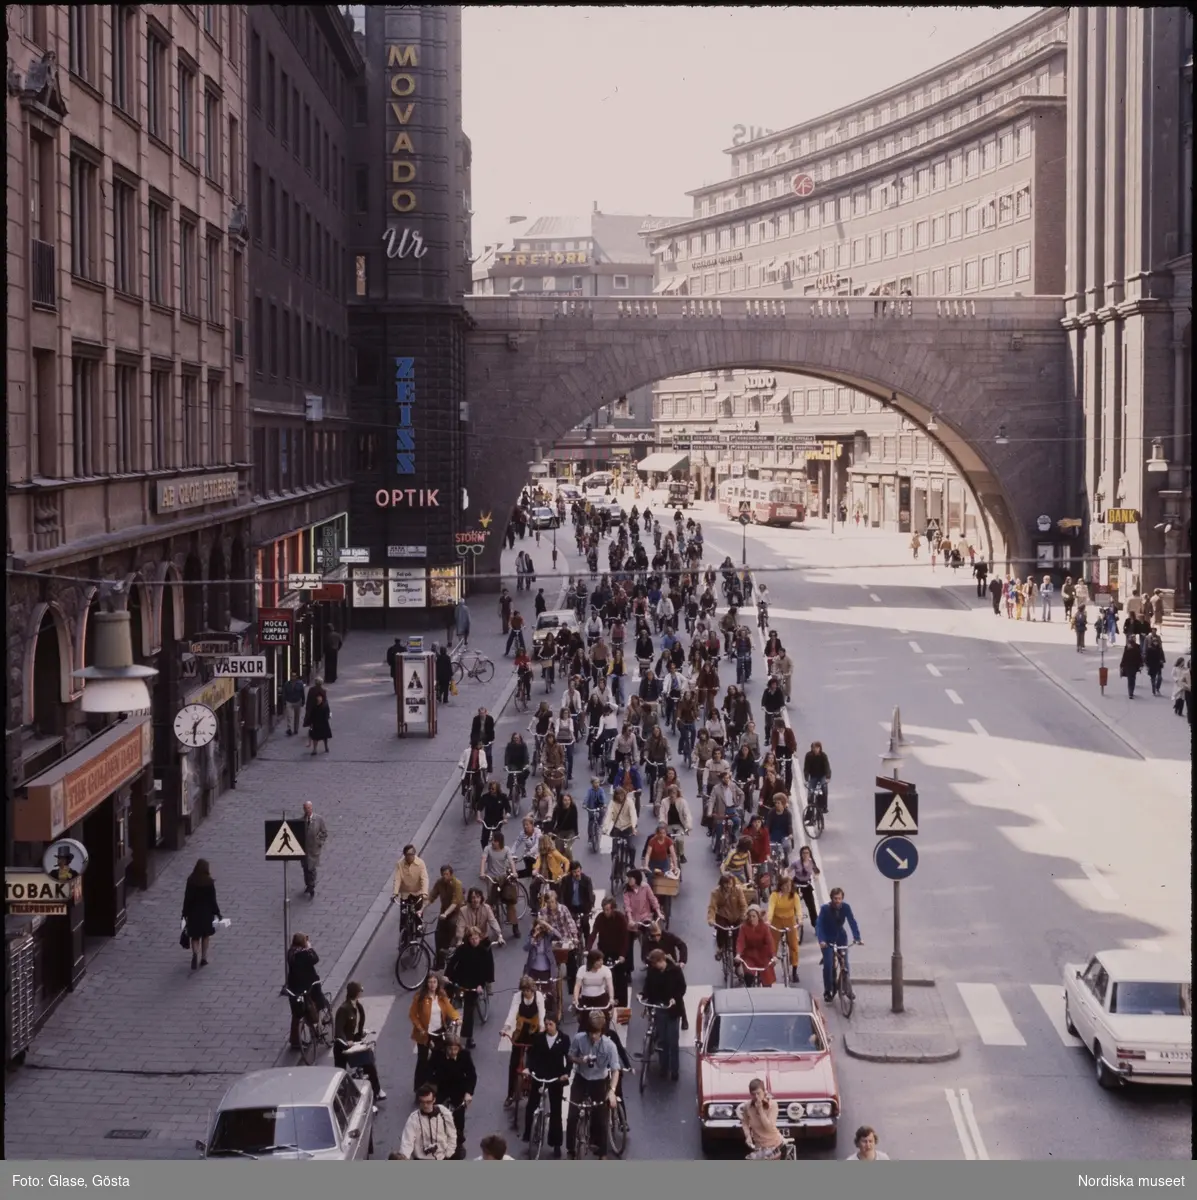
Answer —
538 367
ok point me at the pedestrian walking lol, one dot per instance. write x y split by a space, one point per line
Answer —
505 603
200 911
1068 597
1181 686
1154 660
461 621
332 648
1046 591
1131 665
915 541
394 652
1079 624
1018 596
540 603
1157 609
315 833
293 697
1008 590
995 595
317 717
1029 594
444 675
933 549
980 574
866 1146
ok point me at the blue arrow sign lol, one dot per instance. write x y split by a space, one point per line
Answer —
896 857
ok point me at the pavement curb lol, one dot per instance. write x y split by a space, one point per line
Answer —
343 969
884 980
901 1048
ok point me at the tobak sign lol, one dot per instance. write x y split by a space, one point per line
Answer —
275 626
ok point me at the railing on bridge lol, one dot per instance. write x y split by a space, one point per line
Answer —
505 309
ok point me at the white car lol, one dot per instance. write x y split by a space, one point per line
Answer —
557 622
543 518
1134 1010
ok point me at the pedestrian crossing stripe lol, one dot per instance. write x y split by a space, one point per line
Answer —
897 818
996 1026
285 844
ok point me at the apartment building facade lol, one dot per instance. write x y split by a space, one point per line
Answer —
304 73
951 183
127 429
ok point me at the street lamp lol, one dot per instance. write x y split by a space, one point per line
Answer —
1002 439
1157 464
114 684
933 424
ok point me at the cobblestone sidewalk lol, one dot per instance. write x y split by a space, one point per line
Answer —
148 1047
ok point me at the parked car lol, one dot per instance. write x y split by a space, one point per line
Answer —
543 518
775 1034
1134 1011
294 1113
556 621
618 516
569 493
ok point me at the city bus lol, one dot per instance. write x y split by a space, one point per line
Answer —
768 503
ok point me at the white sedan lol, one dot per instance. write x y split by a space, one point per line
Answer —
1134 1011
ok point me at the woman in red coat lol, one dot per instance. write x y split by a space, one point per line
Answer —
754 947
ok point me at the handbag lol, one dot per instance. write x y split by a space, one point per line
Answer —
509 891
184 940
452 688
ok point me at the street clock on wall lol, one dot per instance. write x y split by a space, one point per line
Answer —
195 725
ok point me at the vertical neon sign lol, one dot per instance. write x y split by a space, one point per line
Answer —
405 401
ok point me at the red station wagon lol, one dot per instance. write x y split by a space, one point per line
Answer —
775 1034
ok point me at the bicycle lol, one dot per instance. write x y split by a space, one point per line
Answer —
842 980
664 899
495 899
787 1151
594 828
471 793
517 789
751 976
650 1039
623 859
582 1141
316 1024
523 692
521 1078
478 667
542 1116
785 967
481 999
415 957
816 804
727 952
762 616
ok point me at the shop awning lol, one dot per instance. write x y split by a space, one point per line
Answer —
661 288
662 462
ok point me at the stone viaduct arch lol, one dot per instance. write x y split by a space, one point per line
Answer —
536 368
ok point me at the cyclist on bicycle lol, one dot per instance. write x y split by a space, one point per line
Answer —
482 735
656 758
303 982
738 864
547 1057
516 762
660 854
728 624
498 866
448 894
671 807
595 800
546 653
784 746
597 1069
773 700
759 1122
816 770
410 885
781 825
772 649
728 907
622 815
594 629
523 670
352 1048
783 668
493 810
665 984
725 801
829 929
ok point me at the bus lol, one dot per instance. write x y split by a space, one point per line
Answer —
767 503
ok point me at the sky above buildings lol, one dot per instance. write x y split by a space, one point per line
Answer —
632 107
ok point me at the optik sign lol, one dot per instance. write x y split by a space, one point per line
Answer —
405 430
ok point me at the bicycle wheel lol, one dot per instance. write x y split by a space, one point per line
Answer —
617 1129
307 1042
582 1136
666 903
467 803
646 1056
458 672
412 965
847 997
811 822
522 901
324 1024
539 1131
521 700
484 670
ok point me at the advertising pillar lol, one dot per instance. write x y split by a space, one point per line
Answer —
415 692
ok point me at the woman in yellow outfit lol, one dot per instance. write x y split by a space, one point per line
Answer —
785 914
551 865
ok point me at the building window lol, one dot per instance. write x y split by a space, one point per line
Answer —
234 158
124 238
922 181
1022 203
1005 209
972 219
81 32
270 92
988 271
212 136
939 229
937 281
955 225
273 340
1005 147
905 239
85 224
1022 138
186 77
87 414
157 100
1022 263
620 283
160 420
126 407
890 243
124 22
922 234
954 280
212 21
213 280
1005 266
955 168
271 216
159 254
284 215
257 215
989 154
215 419
971 275
188 267
874 247
192 456
858 251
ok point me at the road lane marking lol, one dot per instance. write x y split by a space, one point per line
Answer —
1100 884
970 1119
916 647
1048 819
990 1015
962 1133
978 728
874 597
1051 998
934 670
955 699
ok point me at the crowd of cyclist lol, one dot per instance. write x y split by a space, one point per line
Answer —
643 607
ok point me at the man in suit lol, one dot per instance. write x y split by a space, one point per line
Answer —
482 734
315 835
576 892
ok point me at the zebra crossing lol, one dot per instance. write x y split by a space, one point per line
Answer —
996 1025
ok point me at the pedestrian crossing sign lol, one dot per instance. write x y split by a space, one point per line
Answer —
284 840
896 814
414 684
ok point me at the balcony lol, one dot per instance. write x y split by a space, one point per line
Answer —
43 274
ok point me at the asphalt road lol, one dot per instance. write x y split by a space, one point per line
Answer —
1039 843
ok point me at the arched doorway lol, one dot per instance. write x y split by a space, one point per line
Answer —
48 710
218 589
193 596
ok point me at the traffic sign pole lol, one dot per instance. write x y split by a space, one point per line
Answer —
286 921
896 982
